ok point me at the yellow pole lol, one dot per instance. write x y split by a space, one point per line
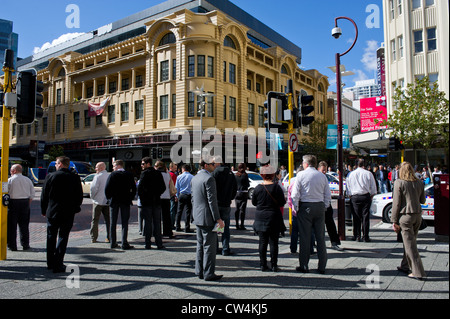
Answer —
291 154
7 88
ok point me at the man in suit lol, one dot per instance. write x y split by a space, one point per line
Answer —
206 215
61 199
120 191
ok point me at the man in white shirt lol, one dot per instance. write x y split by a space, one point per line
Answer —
311 195
21 192
361 188
100 205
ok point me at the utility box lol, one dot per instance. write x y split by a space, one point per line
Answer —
441 206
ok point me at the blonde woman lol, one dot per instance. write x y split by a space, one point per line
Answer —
406 217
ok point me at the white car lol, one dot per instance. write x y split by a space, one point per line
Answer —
382 205
333 182
86 184
255 179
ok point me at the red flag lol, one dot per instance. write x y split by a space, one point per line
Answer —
96 109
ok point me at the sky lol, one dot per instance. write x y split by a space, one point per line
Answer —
306 23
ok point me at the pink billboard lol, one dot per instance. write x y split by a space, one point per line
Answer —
373 108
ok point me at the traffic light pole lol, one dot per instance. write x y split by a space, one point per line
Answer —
291 154
7 88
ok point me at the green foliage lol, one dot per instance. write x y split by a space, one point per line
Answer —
55 151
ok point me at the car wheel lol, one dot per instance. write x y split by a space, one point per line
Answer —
387 212
250 193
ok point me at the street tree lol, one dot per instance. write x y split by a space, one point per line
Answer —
421 116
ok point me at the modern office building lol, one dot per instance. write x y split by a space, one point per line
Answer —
8 40
362 89
119 91
416 45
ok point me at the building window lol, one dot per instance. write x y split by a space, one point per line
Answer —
232 108
14 129
98 120
174 106
210 106
431 39
139 110
139 81
393 57
112 87
125 84
251 114
224 107
191 66
260 116
433 77
392 10
58 96
224 71
90 92
228 42
416 4
168 39
399 7
111 114
58 124
44 125
29 129
87 119
100 89
164 71
124 112
232 73
429 3
200 65
164 107
174 69
210 67
418 41
20 130
400 47
191 104
76 120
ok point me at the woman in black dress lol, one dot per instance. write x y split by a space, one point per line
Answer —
268 197
243 184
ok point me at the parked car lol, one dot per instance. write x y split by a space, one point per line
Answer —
382 205
83 169
255 179
86 184
333 182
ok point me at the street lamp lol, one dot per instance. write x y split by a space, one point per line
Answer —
336 33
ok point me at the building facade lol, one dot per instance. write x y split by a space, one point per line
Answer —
145 85
8 40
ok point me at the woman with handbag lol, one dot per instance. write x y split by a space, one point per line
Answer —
406 217
268 197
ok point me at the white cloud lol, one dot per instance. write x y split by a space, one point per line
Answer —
63 38
369 58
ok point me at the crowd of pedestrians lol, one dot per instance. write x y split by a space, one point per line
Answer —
164 197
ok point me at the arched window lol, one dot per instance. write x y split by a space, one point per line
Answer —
62 72
228 42
320 88
284 70
168 39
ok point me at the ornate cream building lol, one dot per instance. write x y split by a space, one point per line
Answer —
147 83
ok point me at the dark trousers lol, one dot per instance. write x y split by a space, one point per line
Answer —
18 215
205 261
184 204
361 215
331 226
268 238
166 219
151 215
124 210
58 230
241 207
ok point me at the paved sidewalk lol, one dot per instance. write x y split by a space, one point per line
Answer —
361 271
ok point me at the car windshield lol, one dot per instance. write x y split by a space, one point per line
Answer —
84 168
255 177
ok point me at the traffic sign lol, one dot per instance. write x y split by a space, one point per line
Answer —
293 142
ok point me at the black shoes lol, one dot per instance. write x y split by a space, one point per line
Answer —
214 278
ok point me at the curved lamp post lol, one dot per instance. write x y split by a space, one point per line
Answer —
336 33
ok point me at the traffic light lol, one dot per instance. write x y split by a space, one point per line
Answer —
304 109
160 152
395 144
29 98
275 106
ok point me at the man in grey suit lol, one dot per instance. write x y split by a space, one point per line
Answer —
206 214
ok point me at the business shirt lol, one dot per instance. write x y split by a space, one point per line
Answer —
98 188
311 186
361 182
183 184
20 187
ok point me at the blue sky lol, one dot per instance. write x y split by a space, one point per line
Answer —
306 23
